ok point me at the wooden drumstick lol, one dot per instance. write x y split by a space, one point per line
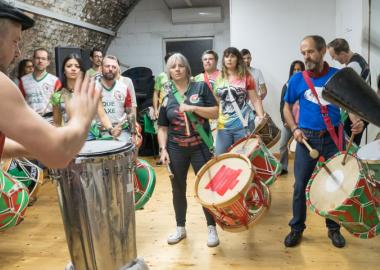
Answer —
348 148
312 152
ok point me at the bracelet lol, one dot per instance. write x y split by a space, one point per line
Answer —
294 129
161 148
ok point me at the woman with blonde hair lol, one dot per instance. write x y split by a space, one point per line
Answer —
181 143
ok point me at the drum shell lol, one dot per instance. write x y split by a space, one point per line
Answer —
268 131
97 206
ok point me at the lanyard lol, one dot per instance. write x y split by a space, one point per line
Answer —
207 138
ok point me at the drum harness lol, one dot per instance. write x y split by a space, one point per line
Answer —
337 138
207 138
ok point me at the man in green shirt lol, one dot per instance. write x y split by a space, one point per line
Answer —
159 89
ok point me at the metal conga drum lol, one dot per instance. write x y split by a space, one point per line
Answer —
97 205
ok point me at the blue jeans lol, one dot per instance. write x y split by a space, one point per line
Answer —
303 168
227 137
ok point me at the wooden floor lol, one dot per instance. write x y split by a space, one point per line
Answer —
39 241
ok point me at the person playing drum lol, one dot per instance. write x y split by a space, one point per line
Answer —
234 87
306 87
183 116
22 131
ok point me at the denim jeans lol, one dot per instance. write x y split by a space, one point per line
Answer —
286 134
180 160
227 137
303 168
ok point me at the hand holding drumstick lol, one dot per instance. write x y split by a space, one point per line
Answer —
300 137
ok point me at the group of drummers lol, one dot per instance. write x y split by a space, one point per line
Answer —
234 170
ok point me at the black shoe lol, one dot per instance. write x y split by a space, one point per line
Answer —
283 171
336 238
293 238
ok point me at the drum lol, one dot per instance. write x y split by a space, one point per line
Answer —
95 193
268 131
26 172
144 183
369 158
341 193
225 186
265 164
14 199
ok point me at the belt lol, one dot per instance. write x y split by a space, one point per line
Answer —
317 133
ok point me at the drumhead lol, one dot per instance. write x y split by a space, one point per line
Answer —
100 148
327 192
223 178
245 146
370 152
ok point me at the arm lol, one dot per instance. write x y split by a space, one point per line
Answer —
162 136
156 102
263 91
205 112
297 133
256 102
57 115
53 146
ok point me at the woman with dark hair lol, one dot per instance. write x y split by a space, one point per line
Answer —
25 66
72 67
183 116
286 134
235 87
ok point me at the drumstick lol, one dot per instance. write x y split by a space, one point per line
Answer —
312 152
171 175
324 166
348 148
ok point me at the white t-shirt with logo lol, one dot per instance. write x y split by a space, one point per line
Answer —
37 93
115 100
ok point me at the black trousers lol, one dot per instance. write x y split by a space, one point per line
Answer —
180 159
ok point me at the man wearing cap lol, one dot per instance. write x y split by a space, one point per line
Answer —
22 131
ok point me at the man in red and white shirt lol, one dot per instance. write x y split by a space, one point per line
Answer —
38 87
116 99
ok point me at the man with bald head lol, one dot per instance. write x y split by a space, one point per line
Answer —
22 131
312 127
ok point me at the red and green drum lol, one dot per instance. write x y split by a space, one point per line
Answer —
144 183
341 193
14 199
267 167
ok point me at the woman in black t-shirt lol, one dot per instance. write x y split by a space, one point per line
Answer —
180 143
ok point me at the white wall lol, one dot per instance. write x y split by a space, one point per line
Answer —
140 38
272 31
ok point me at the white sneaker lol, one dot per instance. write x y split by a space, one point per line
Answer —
177 236
212 238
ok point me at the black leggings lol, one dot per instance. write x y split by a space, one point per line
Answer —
180 159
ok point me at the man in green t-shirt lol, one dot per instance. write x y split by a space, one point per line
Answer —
159 89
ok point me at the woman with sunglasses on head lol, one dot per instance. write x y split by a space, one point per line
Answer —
181 143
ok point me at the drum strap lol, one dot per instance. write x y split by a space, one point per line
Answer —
207 138
243 120
207 81
337 138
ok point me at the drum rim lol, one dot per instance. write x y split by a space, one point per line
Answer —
151 185
208 164
126 147
363 159
256 136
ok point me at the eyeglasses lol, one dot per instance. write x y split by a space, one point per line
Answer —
41 58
